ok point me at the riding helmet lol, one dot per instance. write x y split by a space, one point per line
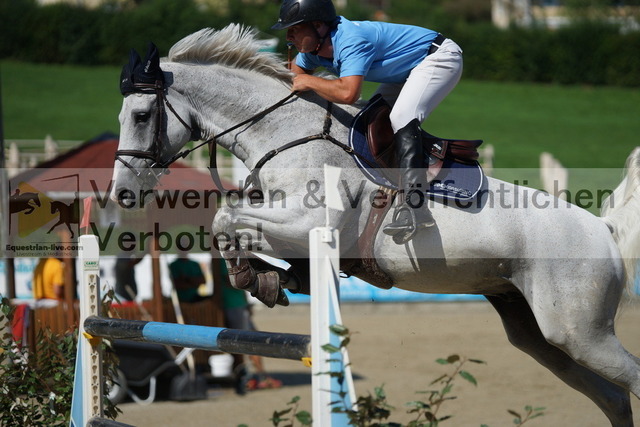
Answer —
294 12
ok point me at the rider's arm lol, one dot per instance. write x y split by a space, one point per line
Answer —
296 69
343 90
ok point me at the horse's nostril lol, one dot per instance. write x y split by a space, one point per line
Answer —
124 197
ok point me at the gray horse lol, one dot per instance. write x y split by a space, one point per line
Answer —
554 272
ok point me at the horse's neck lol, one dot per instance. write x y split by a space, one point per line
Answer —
222 98
225 97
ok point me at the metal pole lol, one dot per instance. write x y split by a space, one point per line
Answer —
324 258
4 210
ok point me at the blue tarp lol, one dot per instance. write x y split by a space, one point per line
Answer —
355 290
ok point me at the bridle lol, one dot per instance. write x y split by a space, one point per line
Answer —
159 167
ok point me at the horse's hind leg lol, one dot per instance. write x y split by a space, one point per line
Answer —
54 226
577 316
524 333
69 227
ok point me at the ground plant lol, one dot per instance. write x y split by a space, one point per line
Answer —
36 388
374 410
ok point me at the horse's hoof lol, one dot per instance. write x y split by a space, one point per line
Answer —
269 289
283 300
426 220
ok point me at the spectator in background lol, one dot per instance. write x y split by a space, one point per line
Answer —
125 273
187 277
48 279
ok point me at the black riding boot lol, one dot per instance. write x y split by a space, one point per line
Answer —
410 214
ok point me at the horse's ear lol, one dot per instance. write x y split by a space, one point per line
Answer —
138 71
151 71
128 71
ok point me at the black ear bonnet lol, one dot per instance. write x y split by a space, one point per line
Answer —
137 74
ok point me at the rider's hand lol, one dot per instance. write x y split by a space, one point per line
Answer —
301 83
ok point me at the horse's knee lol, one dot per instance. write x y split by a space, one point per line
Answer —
221 226
297 278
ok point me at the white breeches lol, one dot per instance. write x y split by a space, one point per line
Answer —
427 85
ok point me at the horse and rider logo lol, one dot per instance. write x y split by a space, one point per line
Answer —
32 209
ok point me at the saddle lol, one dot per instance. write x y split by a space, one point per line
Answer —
452 168
374 119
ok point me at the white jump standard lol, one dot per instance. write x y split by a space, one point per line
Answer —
86 408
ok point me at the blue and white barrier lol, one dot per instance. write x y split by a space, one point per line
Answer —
267 344
86 408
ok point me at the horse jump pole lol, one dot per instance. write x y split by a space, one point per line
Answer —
86 408
267 344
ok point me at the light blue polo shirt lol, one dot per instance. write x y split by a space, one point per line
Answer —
379 51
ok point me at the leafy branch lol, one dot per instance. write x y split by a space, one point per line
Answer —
36 387
373 410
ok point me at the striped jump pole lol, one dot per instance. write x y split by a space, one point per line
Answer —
86 406
266 344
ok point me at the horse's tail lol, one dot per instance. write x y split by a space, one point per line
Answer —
621 212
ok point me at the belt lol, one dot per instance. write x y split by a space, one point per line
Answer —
435 45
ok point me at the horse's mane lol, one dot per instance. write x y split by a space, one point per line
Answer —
235 46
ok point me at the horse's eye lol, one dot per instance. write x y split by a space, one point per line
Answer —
141 117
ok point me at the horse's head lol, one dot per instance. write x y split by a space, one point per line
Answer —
165 107
30 199
155 122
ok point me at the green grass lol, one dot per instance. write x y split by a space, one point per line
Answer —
66 102
584 127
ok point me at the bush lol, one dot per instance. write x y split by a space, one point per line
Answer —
36 389
374 409
588 52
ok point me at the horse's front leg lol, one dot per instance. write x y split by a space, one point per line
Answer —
289 220
289 223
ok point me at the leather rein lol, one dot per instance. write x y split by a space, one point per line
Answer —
154 153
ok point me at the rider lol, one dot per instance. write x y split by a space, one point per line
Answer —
416 67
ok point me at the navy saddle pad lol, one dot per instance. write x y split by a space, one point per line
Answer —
456 181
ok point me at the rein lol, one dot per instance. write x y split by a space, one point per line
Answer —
253 178
154 153
325 134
